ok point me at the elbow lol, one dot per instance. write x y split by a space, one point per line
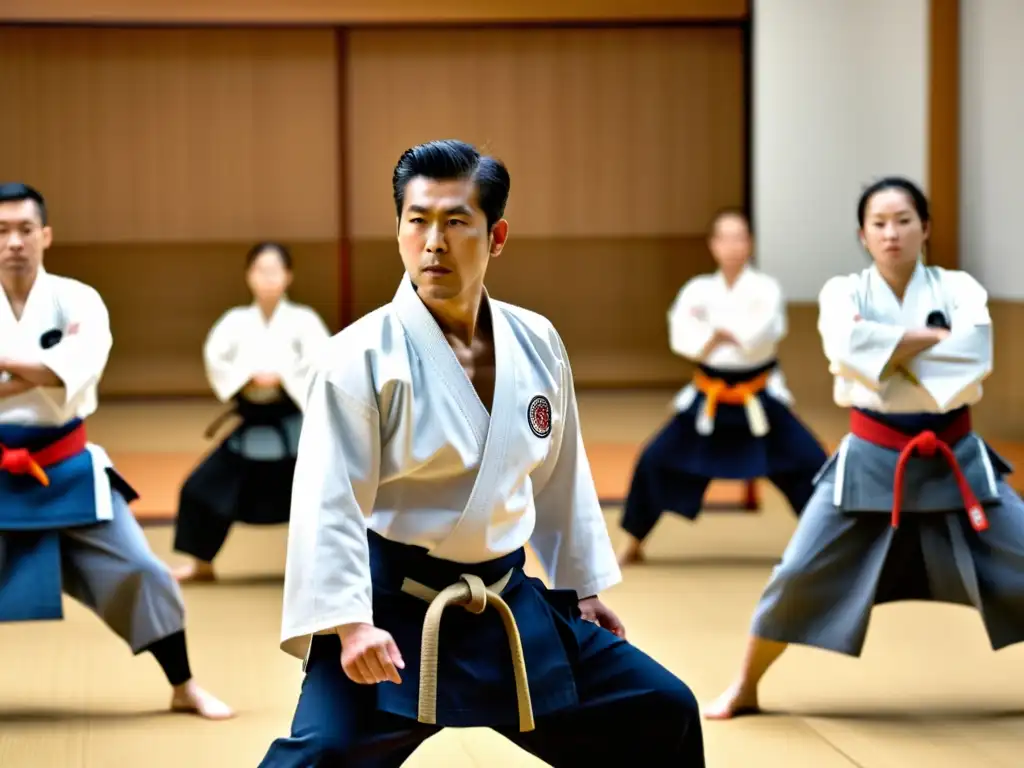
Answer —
871 379
685 352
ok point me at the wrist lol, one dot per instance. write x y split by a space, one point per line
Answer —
344 630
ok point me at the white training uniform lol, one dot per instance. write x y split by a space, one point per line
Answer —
77 312
861 322
243 343
753 310
396 440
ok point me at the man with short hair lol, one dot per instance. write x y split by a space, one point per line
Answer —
65 524
441 436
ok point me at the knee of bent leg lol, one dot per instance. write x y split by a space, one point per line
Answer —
152 575
677 702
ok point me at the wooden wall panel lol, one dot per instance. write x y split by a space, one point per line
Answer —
141 135
163 299
607 133
944 132
366 11
621 144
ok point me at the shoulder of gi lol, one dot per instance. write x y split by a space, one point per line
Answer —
367 359
536 334
846 286
956 282
70 291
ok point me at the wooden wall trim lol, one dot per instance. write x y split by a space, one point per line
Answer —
944 132
344 186
402 12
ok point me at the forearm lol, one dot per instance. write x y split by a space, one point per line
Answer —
15 386
36 374
910 346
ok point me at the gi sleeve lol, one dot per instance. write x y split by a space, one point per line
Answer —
964 358
311 336
856 348
765 323
570 537
688 329
225 370
327 571
80 357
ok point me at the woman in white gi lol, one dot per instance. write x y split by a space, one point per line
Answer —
913 505
441 435
257 357
65 525
734 420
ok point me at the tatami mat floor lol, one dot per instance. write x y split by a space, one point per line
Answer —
928 690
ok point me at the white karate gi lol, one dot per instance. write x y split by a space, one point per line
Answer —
243 343
108 567
753 310
396 440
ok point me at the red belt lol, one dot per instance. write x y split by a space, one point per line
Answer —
19 461
926 443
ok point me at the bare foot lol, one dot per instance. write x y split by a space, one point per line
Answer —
195 571
735 702
194 700
632 553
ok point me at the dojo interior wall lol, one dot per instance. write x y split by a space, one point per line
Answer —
621 144
166 152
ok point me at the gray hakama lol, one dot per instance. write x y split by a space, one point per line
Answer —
847 555
52 542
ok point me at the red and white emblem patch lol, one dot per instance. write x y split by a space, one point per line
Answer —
539 415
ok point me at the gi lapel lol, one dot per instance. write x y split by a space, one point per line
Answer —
493 480
493 431
430 343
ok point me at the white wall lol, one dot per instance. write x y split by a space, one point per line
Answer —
840 98
992 144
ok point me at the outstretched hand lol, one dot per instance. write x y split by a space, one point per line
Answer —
597 612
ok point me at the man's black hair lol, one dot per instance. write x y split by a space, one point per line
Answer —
449 159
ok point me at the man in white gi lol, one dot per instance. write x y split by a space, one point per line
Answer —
440 436
65 524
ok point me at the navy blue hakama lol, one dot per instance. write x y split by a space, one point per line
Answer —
32 516
676 467
585 683
246 479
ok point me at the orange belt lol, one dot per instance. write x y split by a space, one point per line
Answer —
18 461
717 391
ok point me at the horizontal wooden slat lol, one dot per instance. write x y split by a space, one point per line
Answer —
174 135
606 132
367 11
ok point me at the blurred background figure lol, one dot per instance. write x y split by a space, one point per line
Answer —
733 420
257 357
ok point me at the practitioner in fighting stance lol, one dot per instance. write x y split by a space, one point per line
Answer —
733 421
441 435
913 505
256 357
65 524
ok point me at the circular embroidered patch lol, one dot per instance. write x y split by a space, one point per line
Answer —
539 415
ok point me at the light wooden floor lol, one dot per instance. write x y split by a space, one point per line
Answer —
928 690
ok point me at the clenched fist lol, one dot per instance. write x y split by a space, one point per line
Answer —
369 655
